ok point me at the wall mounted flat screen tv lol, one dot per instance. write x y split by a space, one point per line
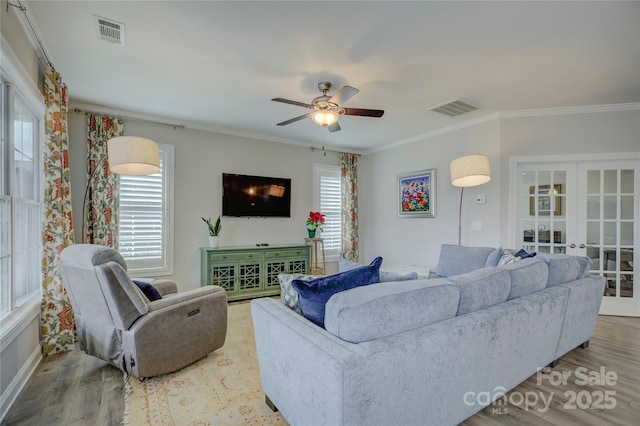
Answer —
262 196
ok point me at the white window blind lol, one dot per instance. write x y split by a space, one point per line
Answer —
329 202
146 219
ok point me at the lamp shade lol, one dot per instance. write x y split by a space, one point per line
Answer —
324 117
132 155
470 170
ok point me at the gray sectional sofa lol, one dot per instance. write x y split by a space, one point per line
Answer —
418 352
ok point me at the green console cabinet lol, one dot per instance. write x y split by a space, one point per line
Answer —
248 272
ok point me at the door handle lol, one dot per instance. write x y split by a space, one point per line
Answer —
585 246
572 245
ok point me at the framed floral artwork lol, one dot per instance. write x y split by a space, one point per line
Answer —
417 194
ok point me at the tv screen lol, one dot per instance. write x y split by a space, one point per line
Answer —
244 195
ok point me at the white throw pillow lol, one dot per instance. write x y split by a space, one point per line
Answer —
507 258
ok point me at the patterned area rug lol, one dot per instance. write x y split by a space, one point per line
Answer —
221 389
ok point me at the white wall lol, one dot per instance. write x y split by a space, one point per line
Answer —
417 240
566 134
200 159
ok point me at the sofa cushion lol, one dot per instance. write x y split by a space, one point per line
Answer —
564 268
456 260
368 313
419 270
528 276
482 288
386 273
314 294
288 294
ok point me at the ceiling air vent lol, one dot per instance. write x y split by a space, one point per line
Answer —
454 108
110 31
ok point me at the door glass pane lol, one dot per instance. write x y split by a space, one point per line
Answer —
593 233
560 178
594 254
626 233
626 207
593 182
560 232
610 207
528 179
626 181
626 273
610 288
609 233
610 181
593 207
544 178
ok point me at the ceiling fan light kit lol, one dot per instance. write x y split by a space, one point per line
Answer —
324 117
326 109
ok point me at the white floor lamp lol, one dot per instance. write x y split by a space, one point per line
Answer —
467 171
128 155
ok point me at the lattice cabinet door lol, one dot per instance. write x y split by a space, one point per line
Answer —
224 276
299 266
273 268
249 277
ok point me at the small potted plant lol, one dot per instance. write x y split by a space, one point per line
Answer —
214 231
314 222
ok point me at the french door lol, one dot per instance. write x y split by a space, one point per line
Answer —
587 208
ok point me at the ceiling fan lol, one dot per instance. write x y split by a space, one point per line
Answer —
326 109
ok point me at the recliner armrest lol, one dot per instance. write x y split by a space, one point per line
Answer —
184 296
165 286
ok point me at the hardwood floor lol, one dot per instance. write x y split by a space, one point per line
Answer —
76 389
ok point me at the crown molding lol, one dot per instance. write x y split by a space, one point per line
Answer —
178 124
540 112
441 131
570 110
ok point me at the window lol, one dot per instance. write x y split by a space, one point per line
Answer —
146 219
21 131
328 200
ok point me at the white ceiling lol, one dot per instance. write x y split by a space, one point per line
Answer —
216 65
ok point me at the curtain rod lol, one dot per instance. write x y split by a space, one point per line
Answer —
325 150
124 117
23 9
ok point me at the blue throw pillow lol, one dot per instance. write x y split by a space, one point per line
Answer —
150 291
314 294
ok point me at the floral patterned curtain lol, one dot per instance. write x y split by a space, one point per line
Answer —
349 186
56 322
103 186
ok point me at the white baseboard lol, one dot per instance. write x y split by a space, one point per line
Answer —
18 383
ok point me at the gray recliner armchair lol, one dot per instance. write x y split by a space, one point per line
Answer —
116 322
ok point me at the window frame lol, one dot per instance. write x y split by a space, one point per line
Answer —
16 85
319 170
165 266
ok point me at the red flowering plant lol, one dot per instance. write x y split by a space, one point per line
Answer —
315 221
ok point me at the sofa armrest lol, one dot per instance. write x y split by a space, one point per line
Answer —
165 287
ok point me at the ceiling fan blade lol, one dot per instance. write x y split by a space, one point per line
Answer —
334 127
293 120
362 112
288 101
343 95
